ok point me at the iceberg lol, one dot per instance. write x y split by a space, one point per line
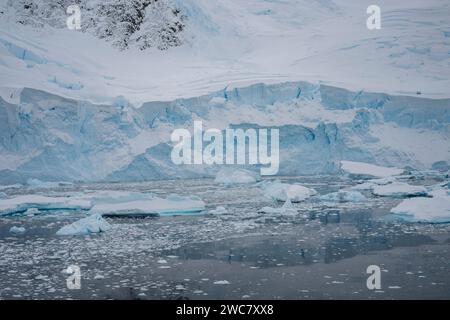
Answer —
399 190
172 205
22 203
17 230
236 176
344 196
91 224
3 195
286 209
283 191
368 170
218 211
431 210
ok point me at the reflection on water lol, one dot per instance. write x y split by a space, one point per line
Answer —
266 252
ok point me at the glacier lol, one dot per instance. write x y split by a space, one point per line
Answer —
52 138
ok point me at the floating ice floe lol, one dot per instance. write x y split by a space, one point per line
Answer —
236 176
369 170
282 191
433 210
17 230
172 205
344 196
22 203
36 183
91 224
399 190
286 209
31 212
114 196
11 186
218 211
368 185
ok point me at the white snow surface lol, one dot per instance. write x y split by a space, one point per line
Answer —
236 43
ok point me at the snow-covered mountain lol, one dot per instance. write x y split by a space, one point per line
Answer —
79 106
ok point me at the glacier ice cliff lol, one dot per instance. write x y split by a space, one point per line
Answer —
52 138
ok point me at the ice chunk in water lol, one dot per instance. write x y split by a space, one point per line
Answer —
22 203
282 191
286 209
91 224
421 209
236 176
369 170
344 196
399 190
172 205
17 230
219 210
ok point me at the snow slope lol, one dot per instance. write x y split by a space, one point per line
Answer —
234 43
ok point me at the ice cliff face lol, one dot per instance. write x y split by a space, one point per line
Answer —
53 138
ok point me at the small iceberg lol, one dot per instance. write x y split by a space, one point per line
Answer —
218 211
172 205
22 203
3 195
17 230
282 191
399 190
368 170
432 210
91 224
344 196
286 209
230 176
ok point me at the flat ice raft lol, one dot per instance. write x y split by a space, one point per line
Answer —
369 170
172 205
432 210
24 202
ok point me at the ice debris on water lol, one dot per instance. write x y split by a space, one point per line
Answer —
344 196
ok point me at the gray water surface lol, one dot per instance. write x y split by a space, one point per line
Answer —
322 253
